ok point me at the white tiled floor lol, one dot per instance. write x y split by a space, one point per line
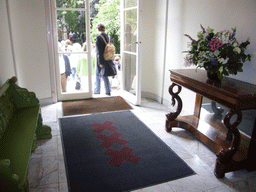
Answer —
47 170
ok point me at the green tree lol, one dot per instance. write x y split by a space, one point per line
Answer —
73 21
104 11
109 14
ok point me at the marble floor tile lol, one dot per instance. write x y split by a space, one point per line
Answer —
43 171
49 113
54 127
159 188
202 181
47 166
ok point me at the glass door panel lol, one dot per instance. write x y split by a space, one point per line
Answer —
130 3
74 55
130 73
131 66
70 4
130 28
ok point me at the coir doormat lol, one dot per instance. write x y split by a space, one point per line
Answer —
115 151
94 105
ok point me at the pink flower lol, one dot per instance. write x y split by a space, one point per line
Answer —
215 44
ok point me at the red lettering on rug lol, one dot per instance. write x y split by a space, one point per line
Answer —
109 140
104 126
121 156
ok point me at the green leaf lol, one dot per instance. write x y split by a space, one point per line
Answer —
109 14
220 76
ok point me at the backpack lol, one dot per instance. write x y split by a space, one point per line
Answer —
109 51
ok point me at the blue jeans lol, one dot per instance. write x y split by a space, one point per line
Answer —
98 82
73 71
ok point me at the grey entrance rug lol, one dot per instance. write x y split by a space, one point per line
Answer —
115 151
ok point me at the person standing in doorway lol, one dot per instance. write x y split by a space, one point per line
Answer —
103 69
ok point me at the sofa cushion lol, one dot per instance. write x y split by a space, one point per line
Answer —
17 141
8 180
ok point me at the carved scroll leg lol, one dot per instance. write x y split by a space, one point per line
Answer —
215 109
173 115
218 111
224 160
251 166
43 131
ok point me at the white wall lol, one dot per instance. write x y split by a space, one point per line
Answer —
153 18
184 16
30 49
219 15
6 57
173 43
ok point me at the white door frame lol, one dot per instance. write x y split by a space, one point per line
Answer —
134 99
72 96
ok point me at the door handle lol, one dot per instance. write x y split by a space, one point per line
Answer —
136 42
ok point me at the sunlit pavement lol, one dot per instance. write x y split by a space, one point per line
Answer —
116 91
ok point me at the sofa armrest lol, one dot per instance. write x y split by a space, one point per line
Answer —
22 97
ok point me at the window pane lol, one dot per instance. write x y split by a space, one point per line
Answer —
130 36
130 73
70 3
71 28
130 3
77 80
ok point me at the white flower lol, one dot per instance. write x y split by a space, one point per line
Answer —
205 35
200 64
221 69
237 49
201 54
188 60
216 53
200 34
209 30
223 61
209 54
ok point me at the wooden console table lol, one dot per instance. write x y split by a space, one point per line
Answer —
234 149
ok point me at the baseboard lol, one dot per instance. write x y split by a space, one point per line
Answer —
167 103
152 96
155 97
46 101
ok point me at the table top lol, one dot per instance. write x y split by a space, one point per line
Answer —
232 93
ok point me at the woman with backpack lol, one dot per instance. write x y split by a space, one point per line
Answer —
104 68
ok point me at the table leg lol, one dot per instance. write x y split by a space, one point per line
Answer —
175 97
224 162
251 165
215 109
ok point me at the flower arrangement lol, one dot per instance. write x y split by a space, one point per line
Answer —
217 52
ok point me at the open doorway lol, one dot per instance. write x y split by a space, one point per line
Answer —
122 20
108 13
76 32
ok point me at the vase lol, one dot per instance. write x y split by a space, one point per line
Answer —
213 76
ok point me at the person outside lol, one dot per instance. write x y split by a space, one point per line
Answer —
117 62
103 69
116 80
65 69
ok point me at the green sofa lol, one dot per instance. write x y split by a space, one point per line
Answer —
20 128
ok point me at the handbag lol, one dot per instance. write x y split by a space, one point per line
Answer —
78 83
113 66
